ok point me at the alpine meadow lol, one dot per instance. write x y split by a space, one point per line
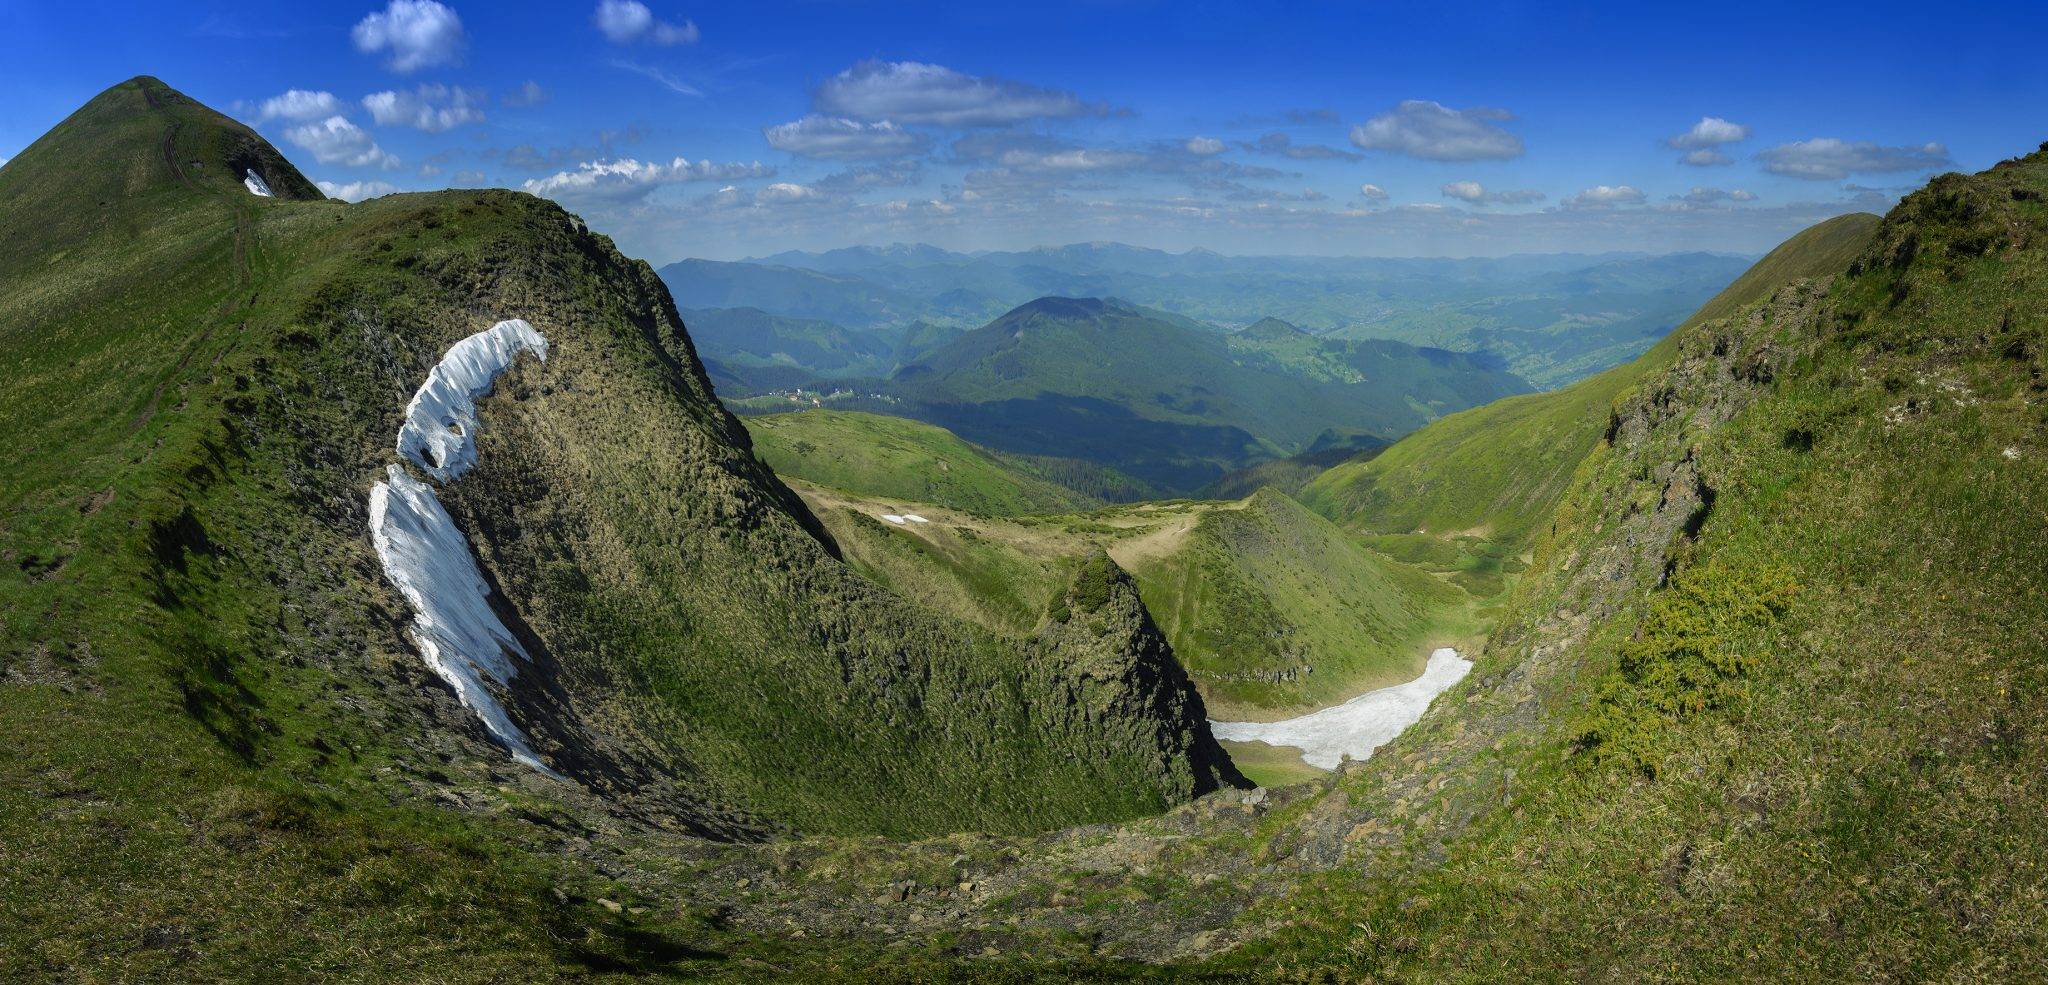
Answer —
938 493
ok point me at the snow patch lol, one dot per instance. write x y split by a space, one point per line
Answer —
1359 726
427 558
255 183
429 561
439 433
914 518
894 518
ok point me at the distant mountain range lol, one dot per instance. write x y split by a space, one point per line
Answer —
1163 398
1553 318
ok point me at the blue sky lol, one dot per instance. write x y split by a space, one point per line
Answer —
729 130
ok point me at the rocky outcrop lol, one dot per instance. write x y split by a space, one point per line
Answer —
1113 667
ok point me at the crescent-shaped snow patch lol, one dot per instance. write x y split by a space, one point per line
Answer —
425 555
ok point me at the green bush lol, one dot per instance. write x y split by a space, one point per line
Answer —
1692 647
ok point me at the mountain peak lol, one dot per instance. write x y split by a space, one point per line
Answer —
141 139
1270 328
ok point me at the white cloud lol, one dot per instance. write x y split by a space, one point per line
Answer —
1702 144
1073 159
835 137
356 191
1829 159
337 141
630 22
915 92
1284 146
1605 197
627 178
783 191
1373 193
412 35
1420 128
432 108
299 105
1476 194
1204 146
530 94
1709 196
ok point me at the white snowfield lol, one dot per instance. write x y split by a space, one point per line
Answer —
1358 726
914 518
439 433
893 518
255 183
425 555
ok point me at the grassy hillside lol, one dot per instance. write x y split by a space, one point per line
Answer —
1272 609
1175 405
896 458
1765 703
1276 611
1499 470
216 718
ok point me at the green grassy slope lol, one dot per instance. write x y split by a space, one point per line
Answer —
1501 468
1765 708
1173 405
215 719
1275 610
893 457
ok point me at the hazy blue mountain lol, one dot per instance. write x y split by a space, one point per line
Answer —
1553 318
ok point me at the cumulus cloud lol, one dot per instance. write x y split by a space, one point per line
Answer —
299 106
1372 193
630 22
1204 146
844 139
626 178
1282 145
1474 193
1829 159
1605 197
412 35
1702 144
530 94
335 140
1425 129
432 108
916 92
356 191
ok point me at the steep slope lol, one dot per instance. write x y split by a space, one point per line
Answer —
897 458
1272 609
1117 384
216 699
1501 468
1765 699
1277 611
